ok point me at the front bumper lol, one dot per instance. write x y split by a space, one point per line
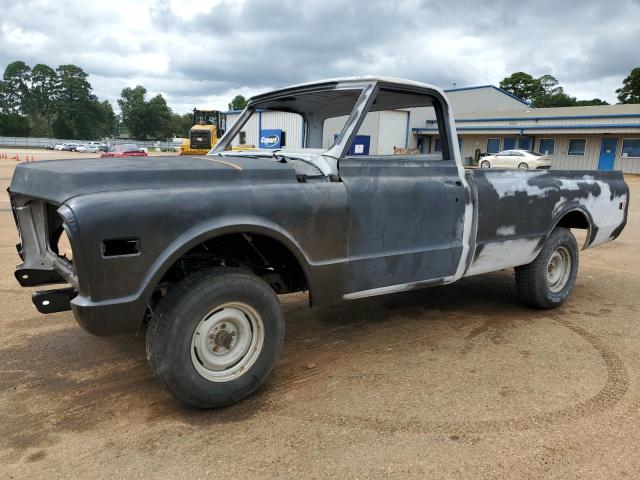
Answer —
39 225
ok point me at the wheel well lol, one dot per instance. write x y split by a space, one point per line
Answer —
260 254
576 219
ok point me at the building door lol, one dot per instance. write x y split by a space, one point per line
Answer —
509 143
607 153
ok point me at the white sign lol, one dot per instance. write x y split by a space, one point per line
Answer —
359 148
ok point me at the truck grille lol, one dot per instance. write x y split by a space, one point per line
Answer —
200 139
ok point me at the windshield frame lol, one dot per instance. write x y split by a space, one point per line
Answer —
328 160
339 145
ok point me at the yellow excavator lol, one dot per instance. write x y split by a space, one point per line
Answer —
208 127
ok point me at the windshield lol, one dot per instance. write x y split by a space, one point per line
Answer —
535 154
301 129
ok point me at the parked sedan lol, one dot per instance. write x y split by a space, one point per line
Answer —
125 150
88 148
520 159
67 147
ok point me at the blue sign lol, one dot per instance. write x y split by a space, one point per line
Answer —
273 138
360 145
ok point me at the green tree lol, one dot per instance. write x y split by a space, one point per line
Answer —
158 118
14 89
238 103
132 110
558 99
42 99
543 92
13 125
594 101
78 111
145 119
630 90
181 124
521 85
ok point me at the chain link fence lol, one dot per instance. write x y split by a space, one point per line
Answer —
43 142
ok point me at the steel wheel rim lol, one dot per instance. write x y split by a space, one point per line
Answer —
227 341
558 269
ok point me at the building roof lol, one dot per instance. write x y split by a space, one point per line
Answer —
560 113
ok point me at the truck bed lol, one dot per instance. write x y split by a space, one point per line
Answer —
518 208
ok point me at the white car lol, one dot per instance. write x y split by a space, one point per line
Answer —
66 147
520 159
88 148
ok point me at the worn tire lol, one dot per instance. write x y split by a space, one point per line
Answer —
173 328
532 280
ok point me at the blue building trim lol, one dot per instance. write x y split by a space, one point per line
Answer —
461 89
563 117
537 127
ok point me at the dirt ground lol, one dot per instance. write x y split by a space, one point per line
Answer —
450 382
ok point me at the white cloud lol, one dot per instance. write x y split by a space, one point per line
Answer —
202 53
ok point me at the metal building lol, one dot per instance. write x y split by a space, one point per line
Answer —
488 120
601 137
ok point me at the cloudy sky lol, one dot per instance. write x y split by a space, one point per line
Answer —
204 52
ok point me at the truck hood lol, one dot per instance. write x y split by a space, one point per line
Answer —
58 180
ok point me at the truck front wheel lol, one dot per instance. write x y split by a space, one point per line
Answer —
214 337
549 279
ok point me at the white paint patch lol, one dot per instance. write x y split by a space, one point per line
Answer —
506 231
605 212
509 183
509 253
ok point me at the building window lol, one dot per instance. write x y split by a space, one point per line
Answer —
493 145
509 143
631 148
577 146
243 138
547 146
525 143
437 146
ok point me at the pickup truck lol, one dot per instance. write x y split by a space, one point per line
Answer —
194 251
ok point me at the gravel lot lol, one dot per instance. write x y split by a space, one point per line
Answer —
450 382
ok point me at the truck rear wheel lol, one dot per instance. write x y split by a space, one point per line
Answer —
549 279
215 337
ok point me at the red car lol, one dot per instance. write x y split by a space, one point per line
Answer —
125 150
